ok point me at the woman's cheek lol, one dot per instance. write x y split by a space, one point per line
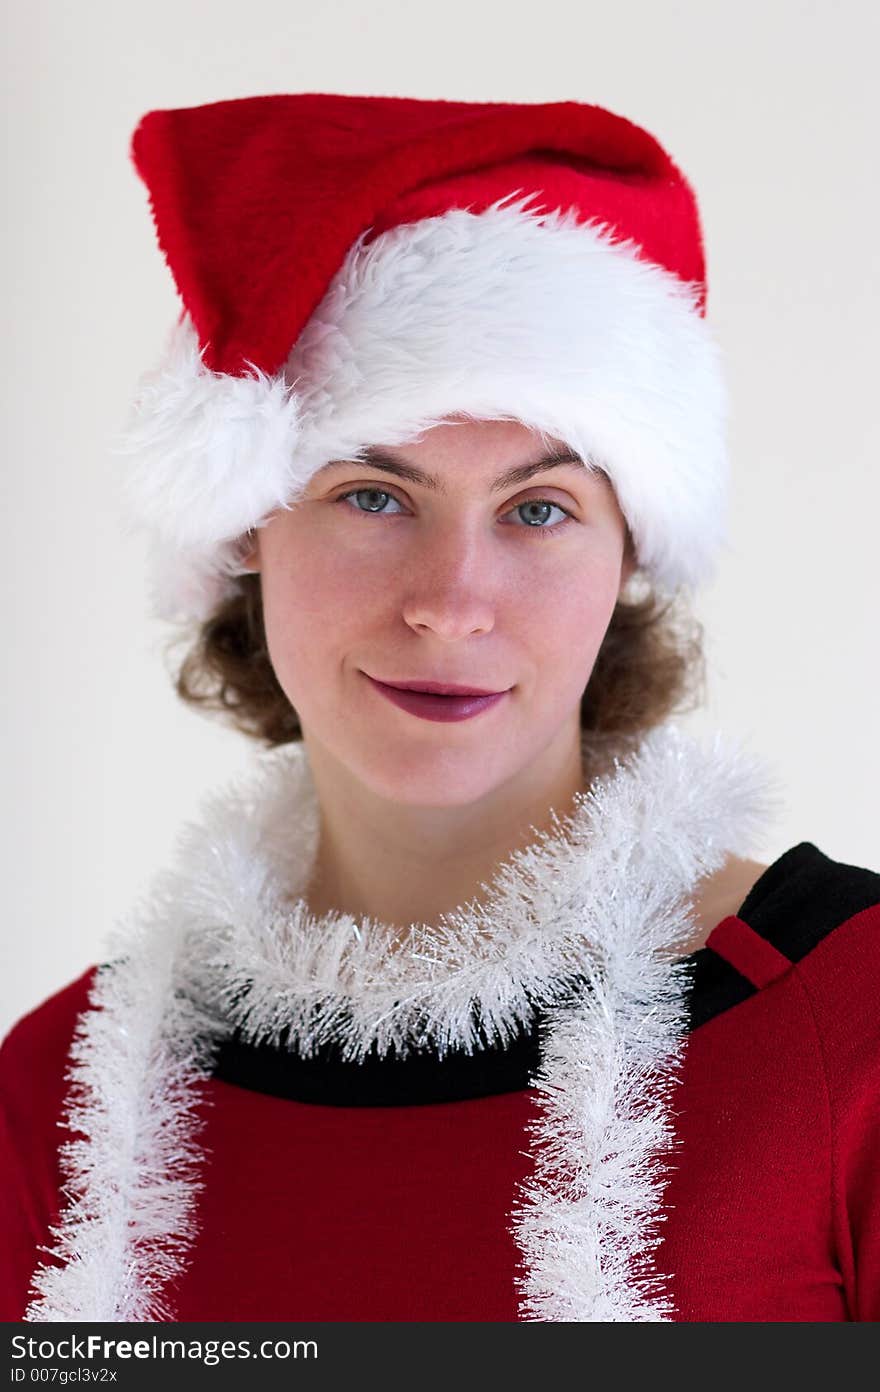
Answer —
318 573
581 594
581 609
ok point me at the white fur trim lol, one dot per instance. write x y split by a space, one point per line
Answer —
614 903
505 314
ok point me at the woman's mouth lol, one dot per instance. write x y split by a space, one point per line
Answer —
434 704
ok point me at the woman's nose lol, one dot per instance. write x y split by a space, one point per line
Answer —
447 589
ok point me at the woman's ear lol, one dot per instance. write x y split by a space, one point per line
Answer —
250 560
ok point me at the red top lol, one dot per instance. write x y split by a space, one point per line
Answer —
320 1211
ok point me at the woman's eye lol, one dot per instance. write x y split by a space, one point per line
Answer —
534 513
375 498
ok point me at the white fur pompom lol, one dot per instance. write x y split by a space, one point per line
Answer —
211 454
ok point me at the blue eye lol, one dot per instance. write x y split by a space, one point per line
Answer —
380 496
542 503
373 493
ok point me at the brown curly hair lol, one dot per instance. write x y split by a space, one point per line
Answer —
651 665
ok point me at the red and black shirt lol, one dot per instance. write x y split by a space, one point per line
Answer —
382 1190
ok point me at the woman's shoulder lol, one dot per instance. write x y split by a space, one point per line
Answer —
814 920
34 1052
807 917
803 872
807 898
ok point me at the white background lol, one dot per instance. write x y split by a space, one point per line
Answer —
770 109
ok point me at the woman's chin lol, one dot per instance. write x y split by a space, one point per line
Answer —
438 777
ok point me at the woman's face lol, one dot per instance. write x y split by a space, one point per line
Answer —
464 578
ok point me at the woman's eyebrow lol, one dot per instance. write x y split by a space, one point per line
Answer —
378 459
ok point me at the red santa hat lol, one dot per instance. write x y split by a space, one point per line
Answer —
355 269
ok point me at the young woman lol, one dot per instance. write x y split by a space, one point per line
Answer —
471 1002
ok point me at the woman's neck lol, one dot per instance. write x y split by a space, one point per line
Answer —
400 864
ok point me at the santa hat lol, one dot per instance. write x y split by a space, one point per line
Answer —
355 269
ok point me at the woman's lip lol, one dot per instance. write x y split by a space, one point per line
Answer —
440 688
430 706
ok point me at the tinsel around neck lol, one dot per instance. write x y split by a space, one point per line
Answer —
662 815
